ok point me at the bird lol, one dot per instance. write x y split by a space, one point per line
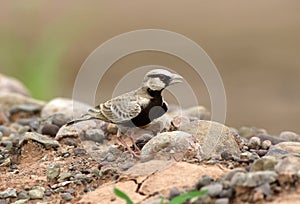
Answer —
137 108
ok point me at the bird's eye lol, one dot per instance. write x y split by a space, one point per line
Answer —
163 77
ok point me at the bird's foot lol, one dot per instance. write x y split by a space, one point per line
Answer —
133 153
129 150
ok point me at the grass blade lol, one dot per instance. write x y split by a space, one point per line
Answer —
182 198
122 195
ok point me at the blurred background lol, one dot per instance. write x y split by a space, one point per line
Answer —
254 44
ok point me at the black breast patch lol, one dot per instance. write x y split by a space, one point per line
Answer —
155 109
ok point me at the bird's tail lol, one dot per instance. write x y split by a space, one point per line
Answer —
92 114
85 117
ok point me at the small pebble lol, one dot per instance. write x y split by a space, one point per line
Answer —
222 201
50 130
59 119
87 189
5 130
79 151
53 172
71 191
254 143
266 144
9 193
48 192
96 135
64 176
204 181
66 196
226 156
110 157
173 193
59 190
37 192
290 136
23 195
127 166
261 152
213 189
71 142
142 140
112 128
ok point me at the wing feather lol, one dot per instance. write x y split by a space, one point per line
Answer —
117 110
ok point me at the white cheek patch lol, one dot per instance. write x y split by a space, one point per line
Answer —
155 84
144 101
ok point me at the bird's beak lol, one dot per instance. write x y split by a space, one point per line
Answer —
176 78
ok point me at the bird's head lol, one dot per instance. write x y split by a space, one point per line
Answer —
159 79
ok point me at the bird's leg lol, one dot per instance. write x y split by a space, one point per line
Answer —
136 148
119 136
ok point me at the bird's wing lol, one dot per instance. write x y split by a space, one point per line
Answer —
120 109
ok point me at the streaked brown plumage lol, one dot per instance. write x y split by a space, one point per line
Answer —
136 108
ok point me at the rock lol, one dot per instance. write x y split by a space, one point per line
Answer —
112 128
66 196
248 132
213 137
261 152
71 109
48 192
12 99
254 143
266 144
23 195
5 163
96 135
5 130
230 175
222 201
253 179
275 140
173 193
64 176
110 157
142 140
23 111
12 85
179 121
213 189
174 143
50 130
44 140
53 172
127 166
227 193
59 119
78 129
8 193
197 112
262 192
79 151
33 122
290 136
263 164
289 166
204 181
71 191
37 192
59 186
204 199
21 201
3 116
292 147
277 152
